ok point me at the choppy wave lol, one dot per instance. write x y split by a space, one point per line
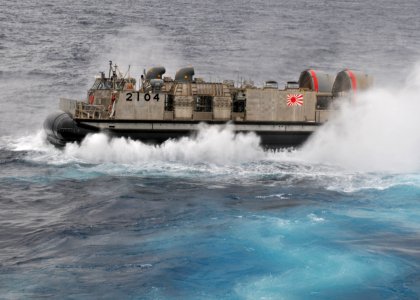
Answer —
216 156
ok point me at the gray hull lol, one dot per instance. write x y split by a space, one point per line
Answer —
61 128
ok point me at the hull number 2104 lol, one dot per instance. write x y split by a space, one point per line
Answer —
147 97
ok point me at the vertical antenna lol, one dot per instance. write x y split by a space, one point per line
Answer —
110 69
237 78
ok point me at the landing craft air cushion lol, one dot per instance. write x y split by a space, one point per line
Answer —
163 108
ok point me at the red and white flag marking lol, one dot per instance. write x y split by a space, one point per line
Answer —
294 100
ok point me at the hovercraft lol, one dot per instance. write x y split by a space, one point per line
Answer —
162 108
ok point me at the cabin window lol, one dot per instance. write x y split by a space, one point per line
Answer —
292 85
204 103
239 102
169 102
271 84
95 85
119 84
239 106
102 85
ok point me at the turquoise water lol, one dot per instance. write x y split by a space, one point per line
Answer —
265 227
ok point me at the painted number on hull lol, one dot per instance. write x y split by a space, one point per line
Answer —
147 97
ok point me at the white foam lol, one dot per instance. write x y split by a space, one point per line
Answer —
216 154
36 142
314 218
279 196
213 144
376 132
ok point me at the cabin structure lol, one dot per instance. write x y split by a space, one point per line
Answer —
187 98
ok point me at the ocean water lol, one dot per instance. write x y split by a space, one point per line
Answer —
214 216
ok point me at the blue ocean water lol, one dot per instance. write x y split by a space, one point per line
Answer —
213 216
